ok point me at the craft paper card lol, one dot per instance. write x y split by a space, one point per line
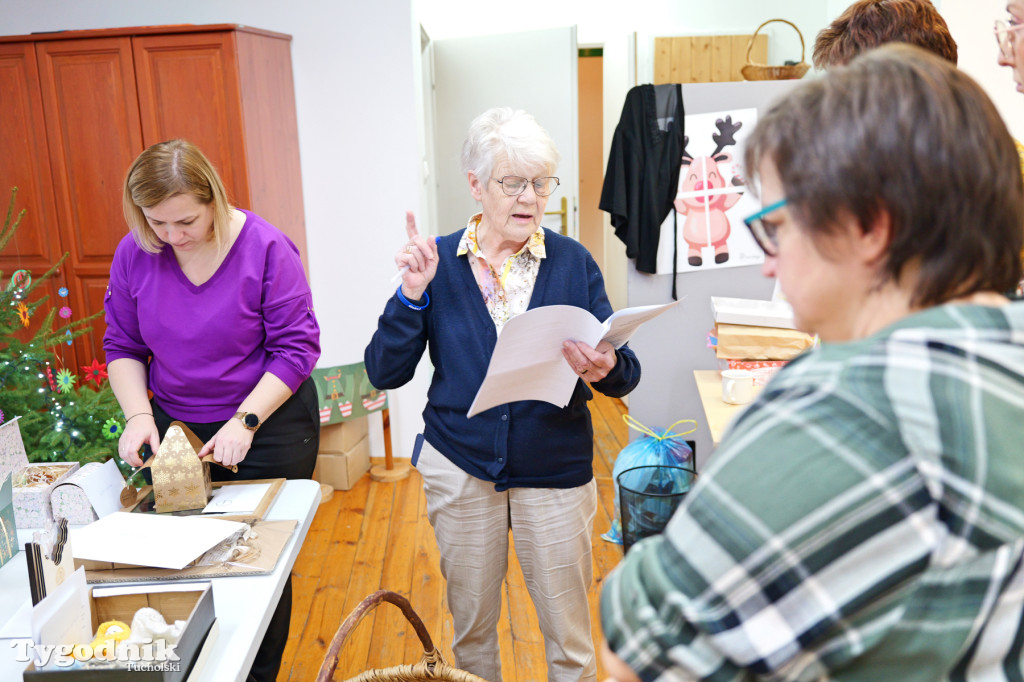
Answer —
712 197
149 539
8 529
63 617
237 499
103 487
527 362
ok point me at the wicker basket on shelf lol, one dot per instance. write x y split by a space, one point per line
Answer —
763 72
431 666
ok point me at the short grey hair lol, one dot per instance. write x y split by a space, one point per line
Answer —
512 134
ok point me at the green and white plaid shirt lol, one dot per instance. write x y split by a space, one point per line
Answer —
862 520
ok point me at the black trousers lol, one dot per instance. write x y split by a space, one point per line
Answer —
285 446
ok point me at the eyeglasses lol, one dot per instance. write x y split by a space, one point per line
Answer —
765 233
513 185
1006 36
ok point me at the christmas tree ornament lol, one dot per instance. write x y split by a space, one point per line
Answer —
65 381
95 372
62 292
112 429
21 279
59 423
65 312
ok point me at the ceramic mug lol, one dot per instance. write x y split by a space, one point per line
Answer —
737 386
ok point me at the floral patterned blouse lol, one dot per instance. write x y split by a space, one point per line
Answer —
506 289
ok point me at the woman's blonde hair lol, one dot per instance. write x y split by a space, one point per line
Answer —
165 170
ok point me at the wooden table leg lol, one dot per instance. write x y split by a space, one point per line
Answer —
391 471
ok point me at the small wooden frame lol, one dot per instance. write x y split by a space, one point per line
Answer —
145 495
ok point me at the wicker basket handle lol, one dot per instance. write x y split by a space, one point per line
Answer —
331 659
750 44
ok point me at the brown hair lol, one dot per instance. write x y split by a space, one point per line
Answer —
869 23
165 170
902 132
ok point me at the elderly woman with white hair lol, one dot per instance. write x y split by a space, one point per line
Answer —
524 466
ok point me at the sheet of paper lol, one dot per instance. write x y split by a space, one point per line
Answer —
527 362
149 539
63 617
103 487
623 324
236 499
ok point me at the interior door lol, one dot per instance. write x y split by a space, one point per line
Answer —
532 70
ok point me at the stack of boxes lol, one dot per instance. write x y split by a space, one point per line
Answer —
344 453
756 335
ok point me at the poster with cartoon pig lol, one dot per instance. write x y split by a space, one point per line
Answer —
712 197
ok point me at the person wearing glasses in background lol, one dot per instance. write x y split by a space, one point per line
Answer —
862 519
524 466
1008 35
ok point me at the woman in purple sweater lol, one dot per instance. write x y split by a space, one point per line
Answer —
220 327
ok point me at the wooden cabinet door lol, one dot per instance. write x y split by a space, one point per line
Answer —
189 88
25 162
93 135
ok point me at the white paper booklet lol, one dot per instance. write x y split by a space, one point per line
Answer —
149 539
527 363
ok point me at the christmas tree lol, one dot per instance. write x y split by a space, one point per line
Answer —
64 417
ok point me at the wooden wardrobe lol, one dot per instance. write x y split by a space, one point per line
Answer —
77 107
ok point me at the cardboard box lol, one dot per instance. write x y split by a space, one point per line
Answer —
342 437
32 487
752 312
341 471
191 602
749 342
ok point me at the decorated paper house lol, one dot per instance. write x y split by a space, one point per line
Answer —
180 479
32 483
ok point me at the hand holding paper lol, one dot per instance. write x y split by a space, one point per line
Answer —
528 362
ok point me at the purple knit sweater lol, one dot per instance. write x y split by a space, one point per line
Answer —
211 343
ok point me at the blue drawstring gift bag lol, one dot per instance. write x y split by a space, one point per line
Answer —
665 448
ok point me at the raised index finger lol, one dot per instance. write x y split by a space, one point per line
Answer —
410 225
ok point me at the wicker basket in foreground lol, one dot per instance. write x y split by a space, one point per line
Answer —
763 72
431 667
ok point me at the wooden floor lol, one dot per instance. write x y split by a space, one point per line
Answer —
376 536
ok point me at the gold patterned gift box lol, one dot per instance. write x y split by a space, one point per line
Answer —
180 479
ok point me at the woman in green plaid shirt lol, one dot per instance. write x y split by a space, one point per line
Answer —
864 518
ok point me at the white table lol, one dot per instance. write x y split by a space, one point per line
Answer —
243 604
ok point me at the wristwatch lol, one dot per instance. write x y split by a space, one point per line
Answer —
249 420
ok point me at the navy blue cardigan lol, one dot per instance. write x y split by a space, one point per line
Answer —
527 443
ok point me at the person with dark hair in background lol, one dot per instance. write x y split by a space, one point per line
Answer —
862 519
869 23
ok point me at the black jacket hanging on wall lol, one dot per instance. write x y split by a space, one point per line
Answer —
643 169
